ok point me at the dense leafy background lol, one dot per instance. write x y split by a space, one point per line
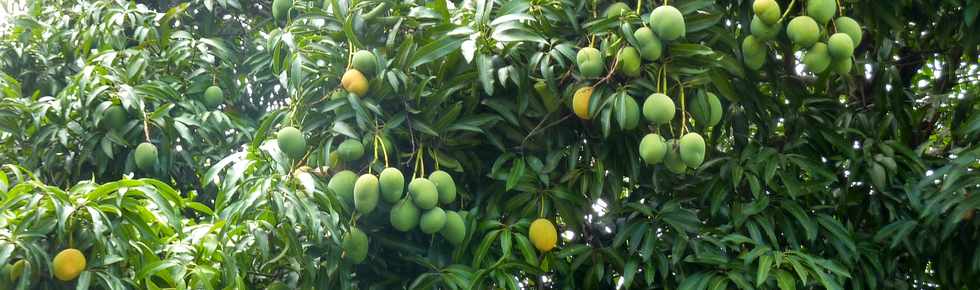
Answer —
785 199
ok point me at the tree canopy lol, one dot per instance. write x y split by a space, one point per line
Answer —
538 144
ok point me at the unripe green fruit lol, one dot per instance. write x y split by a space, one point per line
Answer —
706 109
350 150
673 160
392 184
842 66
213 96
817 59
145 156
659 109
763 31
753 52
280 9
455 229
17 269
590 62
444 185
653 149
667 22
115 118
291 142
692 149
616 9
850 27
432 221
840 46
650 45
803 31
629 62
767 10
355 244
631 113
404 215
821 10
342 184
365 62
424 193
878 175
366 193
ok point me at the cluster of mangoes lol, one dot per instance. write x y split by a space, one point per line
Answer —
417 209
666 23
806 32
66 266
145 156
363 63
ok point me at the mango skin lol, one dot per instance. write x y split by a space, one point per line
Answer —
616 9
445 185
590 62
342 184
115 118
432 221
692 149
354 82
366 192
653 149
543 234
817 59
767 11
753 52
821 10
145 156
213 96
840 46
659 109
629 62
424 193
365 62
763 31
632 111
803 31
68 264
842 66
280 9
580 102
291 142
355 244
350 150
850 27
392 183
651 47
673 160
706 109
455 229
404 216
668 22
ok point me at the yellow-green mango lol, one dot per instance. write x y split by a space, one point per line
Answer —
590 62
763 31
404 215
821 10
445 185
850 27
291 142
650 45
659 109
629 62
840 46
803 31
342 184
692 148
392 183
145 156
424 193
455 229
432 221
366 192
350 150
355 245
668 22
767 10
653 148
817 59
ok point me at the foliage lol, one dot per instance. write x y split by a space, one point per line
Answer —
838 181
